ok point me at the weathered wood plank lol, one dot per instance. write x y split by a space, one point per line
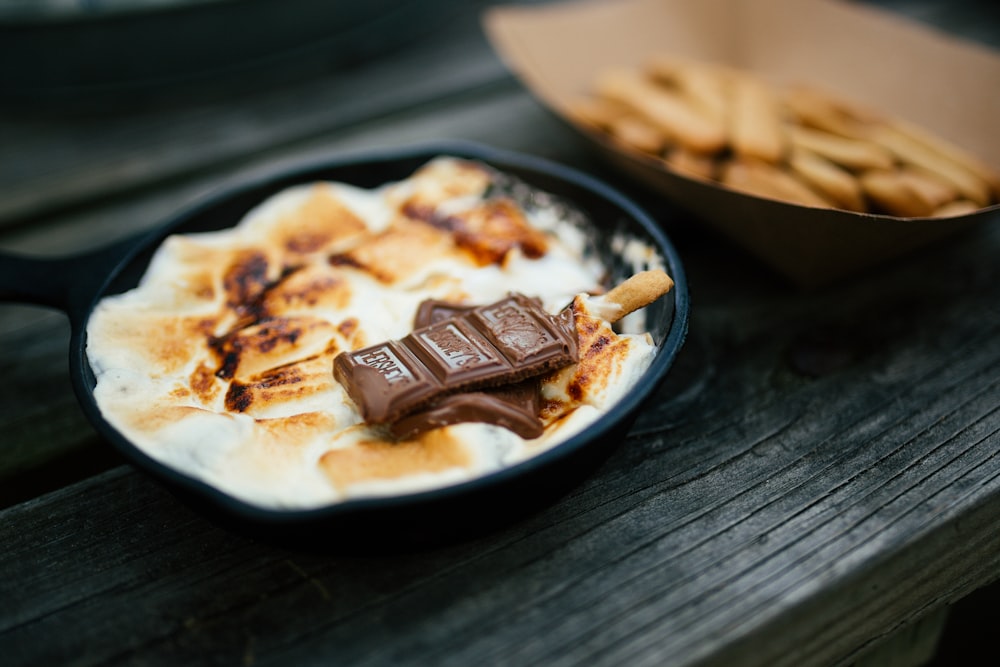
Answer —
51 161
818 471
834 508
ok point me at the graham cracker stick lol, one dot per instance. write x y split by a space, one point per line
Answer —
638 292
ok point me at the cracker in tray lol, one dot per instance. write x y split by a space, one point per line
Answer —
797 143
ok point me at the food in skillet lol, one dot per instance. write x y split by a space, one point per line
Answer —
796 143
220 363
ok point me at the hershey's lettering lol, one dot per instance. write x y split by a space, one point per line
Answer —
452 345
386 363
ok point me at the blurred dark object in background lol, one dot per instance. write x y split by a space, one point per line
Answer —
91 55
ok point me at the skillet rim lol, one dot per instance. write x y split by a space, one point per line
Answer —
247 513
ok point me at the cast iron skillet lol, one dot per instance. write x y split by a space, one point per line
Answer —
75 284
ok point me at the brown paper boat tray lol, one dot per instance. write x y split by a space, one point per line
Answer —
902 69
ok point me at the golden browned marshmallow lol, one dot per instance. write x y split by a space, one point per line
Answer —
219 363
323 223
369 459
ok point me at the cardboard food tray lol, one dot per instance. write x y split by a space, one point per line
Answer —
883 61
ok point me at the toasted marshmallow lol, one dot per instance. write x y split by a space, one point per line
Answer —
219 363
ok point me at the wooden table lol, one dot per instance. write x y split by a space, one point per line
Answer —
817 482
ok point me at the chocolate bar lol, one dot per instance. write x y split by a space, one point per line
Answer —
497 344
513 406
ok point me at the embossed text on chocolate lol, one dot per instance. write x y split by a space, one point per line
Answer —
514 326
382 359
452 345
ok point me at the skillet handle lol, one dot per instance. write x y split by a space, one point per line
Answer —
69 283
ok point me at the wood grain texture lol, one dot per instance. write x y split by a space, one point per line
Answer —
819 471
756 515
51 161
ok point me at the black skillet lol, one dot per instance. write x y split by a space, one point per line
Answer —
75 284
